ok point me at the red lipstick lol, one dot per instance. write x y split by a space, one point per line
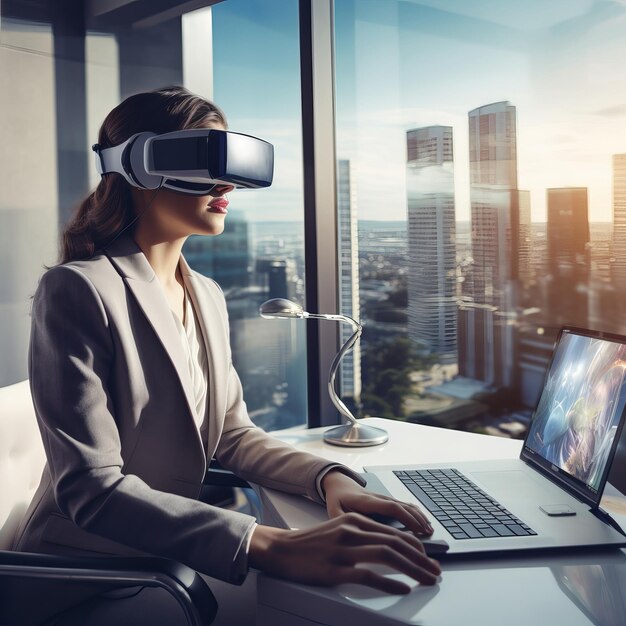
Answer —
219 205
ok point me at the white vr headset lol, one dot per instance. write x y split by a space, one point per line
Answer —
190 161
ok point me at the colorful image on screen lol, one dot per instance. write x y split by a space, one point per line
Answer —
580 407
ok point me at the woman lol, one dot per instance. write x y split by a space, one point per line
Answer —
134 389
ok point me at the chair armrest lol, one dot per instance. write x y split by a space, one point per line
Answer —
34 587
217 476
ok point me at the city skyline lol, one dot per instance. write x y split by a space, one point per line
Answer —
385 267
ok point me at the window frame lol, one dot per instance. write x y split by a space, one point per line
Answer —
321 252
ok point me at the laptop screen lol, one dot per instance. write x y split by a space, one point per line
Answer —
578 418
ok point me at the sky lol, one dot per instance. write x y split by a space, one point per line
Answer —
402 64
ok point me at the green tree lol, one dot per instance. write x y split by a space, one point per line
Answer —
387 367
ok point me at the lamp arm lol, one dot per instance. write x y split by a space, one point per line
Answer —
358 329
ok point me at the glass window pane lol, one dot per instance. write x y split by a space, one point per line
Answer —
261 254
485 149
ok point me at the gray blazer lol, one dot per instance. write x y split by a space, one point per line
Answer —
114 401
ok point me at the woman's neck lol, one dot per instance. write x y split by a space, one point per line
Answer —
163 256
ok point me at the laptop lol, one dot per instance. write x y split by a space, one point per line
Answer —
549 497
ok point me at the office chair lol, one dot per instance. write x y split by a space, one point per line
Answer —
35 587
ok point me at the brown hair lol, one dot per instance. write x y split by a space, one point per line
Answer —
109 208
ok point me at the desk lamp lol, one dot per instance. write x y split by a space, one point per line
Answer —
352 434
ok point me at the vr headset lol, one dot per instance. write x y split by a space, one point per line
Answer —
190 161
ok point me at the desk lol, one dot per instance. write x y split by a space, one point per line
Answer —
577 589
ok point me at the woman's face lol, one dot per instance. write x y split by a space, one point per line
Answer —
193 215
177 215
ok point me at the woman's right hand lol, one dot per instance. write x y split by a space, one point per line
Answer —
326 554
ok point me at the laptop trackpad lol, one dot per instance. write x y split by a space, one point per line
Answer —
505 481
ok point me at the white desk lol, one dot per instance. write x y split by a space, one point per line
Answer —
576 590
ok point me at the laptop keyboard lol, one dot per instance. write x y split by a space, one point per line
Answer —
458 504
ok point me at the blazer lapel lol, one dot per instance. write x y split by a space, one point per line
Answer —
138 274
212 324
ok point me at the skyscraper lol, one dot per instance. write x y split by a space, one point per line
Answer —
489 347
525 239
568 255
275 276
431 241
619 219
347 229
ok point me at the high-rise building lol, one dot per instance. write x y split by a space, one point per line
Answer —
348 244
569 259
525 239
619 219
275 277
431 241
489 350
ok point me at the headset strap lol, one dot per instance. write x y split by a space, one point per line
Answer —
109 159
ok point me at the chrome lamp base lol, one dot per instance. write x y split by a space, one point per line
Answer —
355 435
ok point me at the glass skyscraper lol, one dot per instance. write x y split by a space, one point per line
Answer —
350 373
619 218
488 346
431 239
568 255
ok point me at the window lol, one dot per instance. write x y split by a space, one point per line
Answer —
485 145
480 170
256 79
70 71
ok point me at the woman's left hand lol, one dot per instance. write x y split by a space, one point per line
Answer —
344 495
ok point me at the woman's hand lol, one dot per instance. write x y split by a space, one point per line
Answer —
326 554
344 495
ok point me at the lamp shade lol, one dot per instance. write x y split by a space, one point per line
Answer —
281 308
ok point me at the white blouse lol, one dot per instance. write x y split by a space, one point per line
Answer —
191 338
